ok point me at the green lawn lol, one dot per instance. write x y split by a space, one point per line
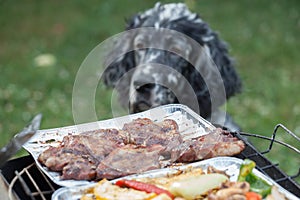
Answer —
263 37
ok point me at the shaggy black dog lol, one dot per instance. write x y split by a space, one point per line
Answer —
173 57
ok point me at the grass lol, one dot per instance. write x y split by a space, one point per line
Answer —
263 37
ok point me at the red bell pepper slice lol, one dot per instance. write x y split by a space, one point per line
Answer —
141 186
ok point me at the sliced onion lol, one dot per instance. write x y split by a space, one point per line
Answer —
195 186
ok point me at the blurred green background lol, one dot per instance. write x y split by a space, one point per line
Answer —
263 37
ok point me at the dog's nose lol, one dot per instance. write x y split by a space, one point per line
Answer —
140 106
144 88
144 83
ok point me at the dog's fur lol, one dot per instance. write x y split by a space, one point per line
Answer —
142 83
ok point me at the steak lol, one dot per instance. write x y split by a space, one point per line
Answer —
217 143
139 146
79 168
130 159
83 151
144 132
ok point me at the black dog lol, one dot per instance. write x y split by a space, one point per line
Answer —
163 64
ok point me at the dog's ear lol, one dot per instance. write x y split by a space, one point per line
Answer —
121 57
217 50
134 22
119 60
114 72
215 69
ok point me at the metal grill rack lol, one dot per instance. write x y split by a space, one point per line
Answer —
265 165
26 182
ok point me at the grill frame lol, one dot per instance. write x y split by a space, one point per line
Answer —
28 182
265 165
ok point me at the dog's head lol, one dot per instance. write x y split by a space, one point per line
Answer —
171 56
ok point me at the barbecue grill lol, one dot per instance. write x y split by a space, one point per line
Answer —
21 179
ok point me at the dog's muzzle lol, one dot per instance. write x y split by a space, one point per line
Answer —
154 79
143 95
148 90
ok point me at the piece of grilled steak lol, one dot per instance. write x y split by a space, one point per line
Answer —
144 132
131 159
217 143
83 151
139 146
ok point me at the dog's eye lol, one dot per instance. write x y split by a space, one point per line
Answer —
175 50
139 45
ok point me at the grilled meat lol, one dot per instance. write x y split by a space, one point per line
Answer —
139 146
216 143
79 168
146 133
83 151
130 159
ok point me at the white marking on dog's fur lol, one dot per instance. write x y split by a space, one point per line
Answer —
172 79
207 50
207 39
171 12
159 96
132 93
156 77
153 56
147 69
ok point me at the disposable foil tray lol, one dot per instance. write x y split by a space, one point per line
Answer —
230 165
190 125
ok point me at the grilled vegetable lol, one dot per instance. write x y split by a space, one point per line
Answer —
194 187
253 196
146 187
105 190
245 169
257 184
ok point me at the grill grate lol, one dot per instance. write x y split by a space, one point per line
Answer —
24 174
265 165
25 179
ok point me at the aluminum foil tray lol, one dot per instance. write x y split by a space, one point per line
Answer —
229 164
190 125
